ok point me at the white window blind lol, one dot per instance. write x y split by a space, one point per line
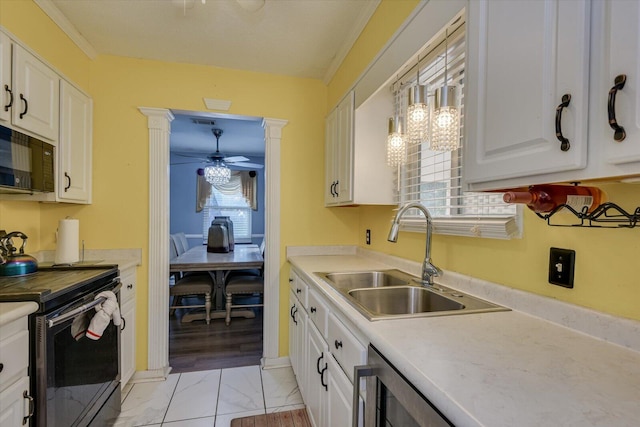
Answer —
235 206
435 178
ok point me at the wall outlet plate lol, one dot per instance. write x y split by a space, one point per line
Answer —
561 267
367 237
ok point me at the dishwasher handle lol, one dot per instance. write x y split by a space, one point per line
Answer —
359 372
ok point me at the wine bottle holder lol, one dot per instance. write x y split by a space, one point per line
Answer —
607 215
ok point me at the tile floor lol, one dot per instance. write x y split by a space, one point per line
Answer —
209 398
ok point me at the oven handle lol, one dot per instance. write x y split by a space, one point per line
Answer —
83 308
359 372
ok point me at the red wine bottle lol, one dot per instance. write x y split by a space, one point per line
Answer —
545 198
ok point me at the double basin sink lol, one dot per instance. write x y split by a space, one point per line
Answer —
391 294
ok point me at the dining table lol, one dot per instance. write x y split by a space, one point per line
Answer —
218 265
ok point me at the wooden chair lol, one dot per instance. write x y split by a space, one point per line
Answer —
243 283
193 284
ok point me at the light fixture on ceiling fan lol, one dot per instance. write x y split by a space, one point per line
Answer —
218 173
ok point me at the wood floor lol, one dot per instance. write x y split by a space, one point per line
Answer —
196 346
296 418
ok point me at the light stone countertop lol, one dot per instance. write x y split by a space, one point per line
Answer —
10 311
503 368
124 258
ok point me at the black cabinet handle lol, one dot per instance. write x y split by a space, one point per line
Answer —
322 377
290 280
336 189
333 191
294 316
66 175
130 286
564 142
32 407
619 133
291 311
26 106
6 107
318 363
124 323
312 309
298 290
338 344
1 366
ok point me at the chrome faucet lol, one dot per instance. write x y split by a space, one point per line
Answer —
428 269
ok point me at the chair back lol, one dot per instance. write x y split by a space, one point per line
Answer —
177 244
182 238
173 251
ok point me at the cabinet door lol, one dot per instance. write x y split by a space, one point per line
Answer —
13 404
317 387
340 395
331 140
128 341
74 149
618 54
344 164
36 95
5 78
297 338
523 56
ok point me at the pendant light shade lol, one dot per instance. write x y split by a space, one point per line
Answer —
218 173
396 148
418 115
445 123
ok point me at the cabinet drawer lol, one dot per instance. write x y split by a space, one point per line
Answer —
14 353
344 346
318 312
299 288
128 290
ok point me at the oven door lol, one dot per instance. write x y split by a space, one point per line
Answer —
74 375
391 399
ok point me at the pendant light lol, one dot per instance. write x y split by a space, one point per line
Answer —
445 123
218 172
396 148
418 113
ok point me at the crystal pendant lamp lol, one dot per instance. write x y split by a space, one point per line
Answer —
445 122
396 148
418 115
218 172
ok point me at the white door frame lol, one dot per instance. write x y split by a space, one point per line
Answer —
159 124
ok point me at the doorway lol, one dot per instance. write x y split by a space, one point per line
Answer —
199 140
159 129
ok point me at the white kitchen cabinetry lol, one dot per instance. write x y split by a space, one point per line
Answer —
128 336
522 58
74 152
339 153
5 78
36 94
15 400
323 357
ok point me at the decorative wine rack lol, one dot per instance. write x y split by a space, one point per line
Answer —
607 215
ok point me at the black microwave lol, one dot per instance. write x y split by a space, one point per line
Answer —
26 163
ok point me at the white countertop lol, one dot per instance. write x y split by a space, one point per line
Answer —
10 311
503 368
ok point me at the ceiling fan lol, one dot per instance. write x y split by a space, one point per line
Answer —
233 161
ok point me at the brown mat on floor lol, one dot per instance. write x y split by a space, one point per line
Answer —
295 418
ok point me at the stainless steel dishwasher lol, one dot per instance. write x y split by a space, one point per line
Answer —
391 399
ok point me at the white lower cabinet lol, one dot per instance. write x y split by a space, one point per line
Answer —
128 336
323 352
15 401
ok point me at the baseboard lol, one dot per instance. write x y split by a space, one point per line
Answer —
150 375
275 362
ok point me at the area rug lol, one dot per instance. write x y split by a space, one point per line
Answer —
295 418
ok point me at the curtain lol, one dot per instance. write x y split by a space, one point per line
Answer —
241 181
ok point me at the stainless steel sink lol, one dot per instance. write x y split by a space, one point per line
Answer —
393 294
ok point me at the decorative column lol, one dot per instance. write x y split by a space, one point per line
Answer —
159 122
271 327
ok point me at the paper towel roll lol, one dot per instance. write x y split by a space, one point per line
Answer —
67 248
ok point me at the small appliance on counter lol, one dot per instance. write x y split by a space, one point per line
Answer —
12 263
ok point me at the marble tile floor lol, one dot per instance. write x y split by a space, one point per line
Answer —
209 398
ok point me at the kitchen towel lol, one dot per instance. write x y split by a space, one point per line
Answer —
68 246
105 312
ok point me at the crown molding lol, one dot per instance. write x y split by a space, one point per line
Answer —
52 11
351 38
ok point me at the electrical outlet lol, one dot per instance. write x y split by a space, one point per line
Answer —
367 237
561 267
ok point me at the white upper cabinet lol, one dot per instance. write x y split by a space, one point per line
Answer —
35 95
616 28
523 58
339 153
74 152
6 95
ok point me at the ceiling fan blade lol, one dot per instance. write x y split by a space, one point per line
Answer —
246 165
195 162
202 157
235 159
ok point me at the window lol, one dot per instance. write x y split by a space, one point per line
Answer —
435 178
229 200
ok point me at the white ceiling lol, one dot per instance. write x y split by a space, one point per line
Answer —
301 38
